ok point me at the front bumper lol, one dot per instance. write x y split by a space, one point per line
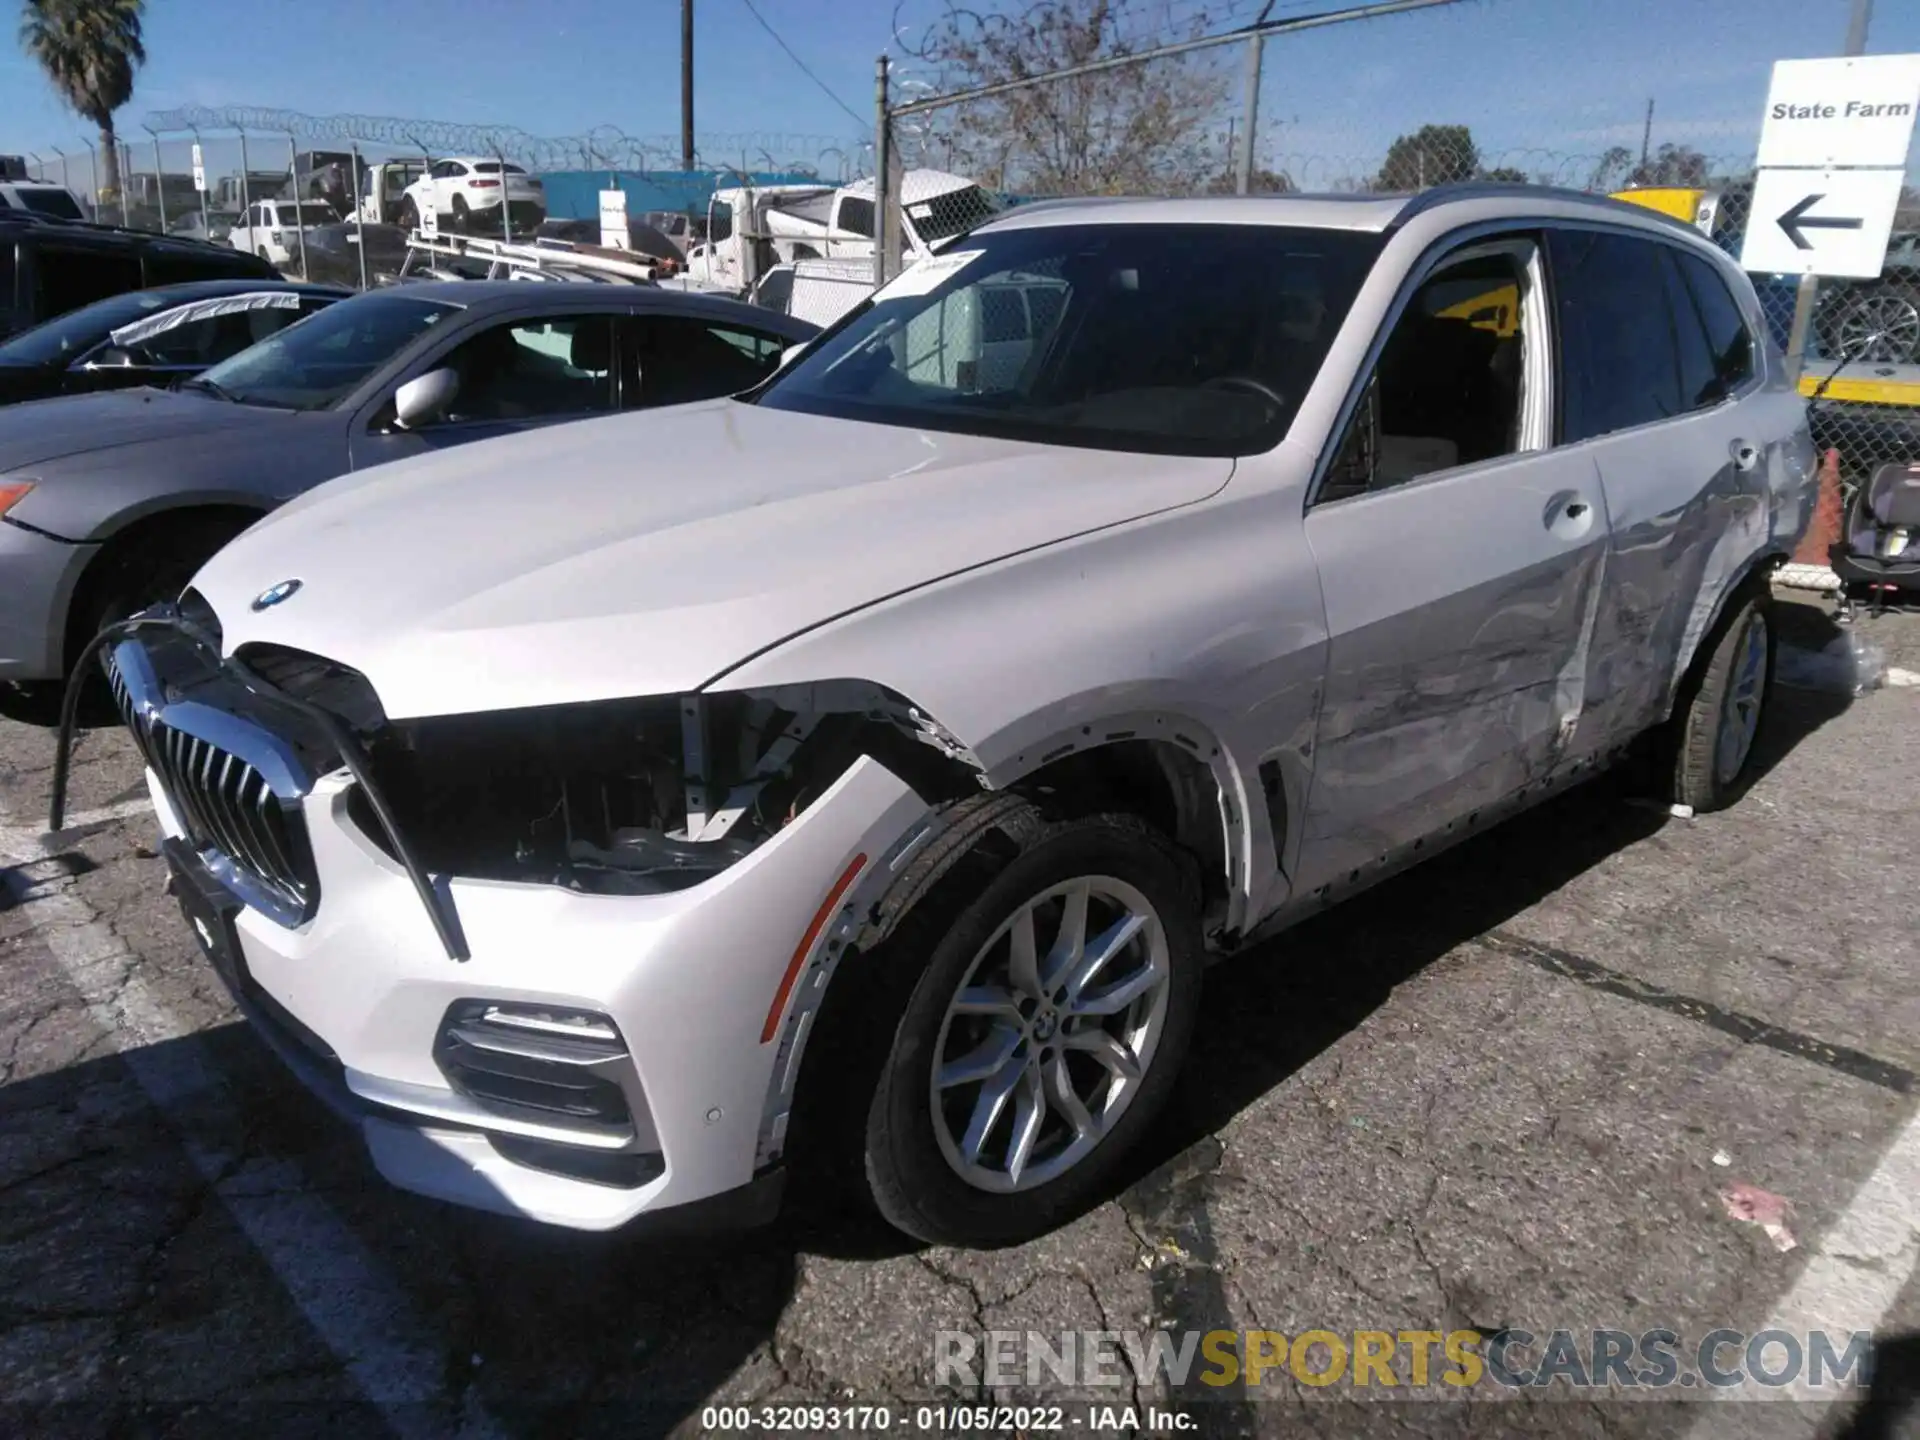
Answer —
37 577
357 996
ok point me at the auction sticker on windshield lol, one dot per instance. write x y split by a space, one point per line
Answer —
925 275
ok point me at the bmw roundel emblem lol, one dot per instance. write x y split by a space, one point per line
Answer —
274 594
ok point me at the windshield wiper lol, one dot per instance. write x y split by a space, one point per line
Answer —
212 387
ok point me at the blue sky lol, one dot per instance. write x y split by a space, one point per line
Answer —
1560 77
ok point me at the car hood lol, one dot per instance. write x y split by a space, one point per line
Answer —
647 554
53 429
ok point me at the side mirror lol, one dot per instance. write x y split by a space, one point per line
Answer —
790 354
425 398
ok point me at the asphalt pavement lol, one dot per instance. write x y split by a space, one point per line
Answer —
1605 1068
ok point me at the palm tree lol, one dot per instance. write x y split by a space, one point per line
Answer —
89 49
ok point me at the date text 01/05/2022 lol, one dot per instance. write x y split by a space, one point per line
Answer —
945 1419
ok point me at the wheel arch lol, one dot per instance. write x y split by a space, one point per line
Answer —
1754 573
134 530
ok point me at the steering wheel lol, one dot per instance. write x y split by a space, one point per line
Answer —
1246 382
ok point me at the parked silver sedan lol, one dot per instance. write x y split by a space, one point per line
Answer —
1118 586
110 501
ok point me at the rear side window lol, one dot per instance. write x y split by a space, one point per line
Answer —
856 215
173 267
681 359
1618 358
1727 333
6 275
47 200
67 279
1699 380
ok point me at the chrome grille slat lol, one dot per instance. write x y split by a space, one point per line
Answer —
176 774
250 835
228 801
252 823
234 789
226 806
210 789
275 841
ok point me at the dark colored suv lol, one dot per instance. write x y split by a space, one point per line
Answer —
48 267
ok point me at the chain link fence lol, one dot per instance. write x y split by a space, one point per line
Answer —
1063 100
1053 99
360 166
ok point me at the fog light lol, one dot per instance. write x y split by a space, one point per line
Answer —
560 1067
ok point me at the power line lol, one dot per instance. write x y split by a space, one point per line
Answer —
804 69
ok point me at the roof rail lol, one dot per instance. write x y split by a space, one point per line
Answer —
1435 195
509 259
101 227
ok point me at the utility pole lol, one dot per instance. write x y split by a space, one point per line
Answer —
686 84
1243 181
1243 176
1857 27
1808 294
1646 135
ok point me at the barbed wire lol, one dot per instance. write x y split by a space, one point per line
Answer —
604 145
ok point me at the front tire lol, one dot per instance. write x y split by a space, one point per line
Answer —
1052 1011
1721 708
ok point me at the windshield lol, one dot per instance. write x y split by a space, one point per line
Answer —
1170 339
319 360
67 336
49 200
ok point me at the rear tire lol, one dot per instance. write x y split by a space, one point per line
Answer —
461 216
1079 1059
1722 706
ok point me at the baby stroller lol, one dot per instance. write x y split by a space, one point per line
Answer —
1879 546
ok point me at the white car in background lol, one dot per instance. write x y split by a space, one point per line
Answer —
271 228
42 198
466 192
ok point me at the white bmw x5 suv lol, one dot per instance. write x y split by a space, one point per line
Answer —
866 766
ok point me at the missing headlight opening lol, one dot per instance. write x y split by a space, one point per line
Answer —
636 797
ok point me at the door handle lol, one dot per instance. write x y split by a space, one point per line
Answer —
1745 453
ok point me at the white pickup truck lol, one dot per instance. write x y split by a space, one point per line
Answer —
271 228
751 229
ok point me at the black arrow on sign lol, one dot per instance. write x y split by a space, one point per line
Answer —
1797 219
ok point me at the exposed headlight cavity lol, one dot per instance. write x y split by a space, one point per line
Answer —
637 797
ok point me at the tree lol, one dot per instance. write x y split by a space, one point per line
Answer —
1672 165
1610 169
89 49
1432 155
1262 182
1506 175
1132 129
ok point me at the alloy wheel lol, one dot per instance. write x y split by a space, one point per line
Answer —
1042 1051
1894 318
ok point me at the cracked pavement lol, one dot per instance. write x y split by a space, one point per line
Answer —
1492 1094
